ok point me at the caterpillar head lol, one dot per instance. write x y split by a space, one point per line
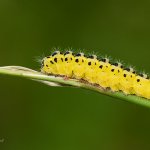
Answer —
46 64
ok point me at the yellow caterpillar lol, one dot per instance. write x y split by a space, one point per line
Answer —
101 72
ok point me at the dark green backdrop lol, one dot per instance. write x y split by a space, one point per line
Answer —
35 116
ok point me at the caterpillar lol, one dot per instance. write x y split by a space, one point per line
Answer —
99 71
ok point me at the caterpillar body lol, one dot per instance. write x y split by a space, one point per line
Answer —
97 71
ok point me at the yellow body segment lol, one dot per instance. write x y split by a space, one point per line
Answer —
79 67
141 87
69 64
94 71
126 82
114 75
103 73
91 68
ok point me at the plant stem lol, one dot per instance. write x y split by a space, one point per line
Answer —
60 81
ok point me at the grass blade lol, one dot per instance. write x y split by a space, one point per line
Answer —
60 81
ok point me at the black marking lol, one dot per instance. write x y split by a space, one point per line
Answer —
91 56
103 59
138 80
55 59
89 63
67 53
124 75
61 53
66 59
71 58
133 72
112 70
77 60
78 55
82 60
141 75
95 63
51 62
121 66
115 64
48 57
131 76
118 71
101 66
127 69
55 53
46 65
62 59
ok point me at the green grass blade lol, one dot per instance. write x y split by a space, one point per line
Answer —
60 81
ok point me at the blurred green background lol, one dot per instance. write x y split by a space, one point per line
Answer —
35 116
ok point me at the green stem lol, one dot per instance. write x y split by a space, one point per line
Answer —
60 81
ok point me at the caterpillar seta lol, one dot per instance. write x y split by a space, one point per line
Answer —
96 71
